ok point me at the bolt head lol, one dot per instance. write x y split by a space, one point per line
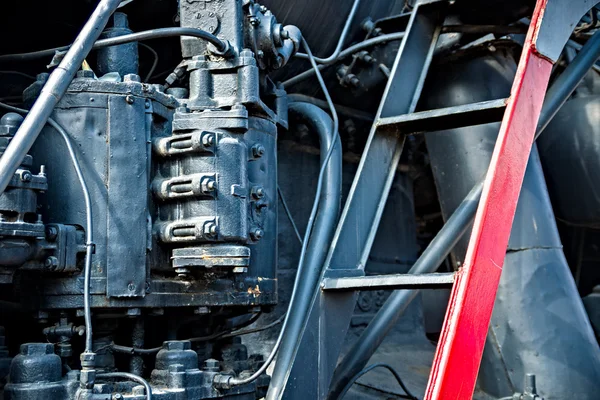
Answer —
257 234
51 232
132 78
208 185
177 345
51 263
131 287
25 176
208 139
202 310
129 99
211 365
258 150
37 349
210 229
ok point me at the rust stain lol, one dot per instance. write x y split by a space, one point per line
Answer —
254 291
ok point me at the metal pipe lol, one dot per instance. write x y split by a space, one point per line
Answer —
334 56
160 33
307 235
131 377
347 52
385 319
53 91
329 208
89 227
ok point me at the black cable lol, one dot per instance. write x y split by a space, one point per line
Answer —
254 330
154 63
220 335
219 44
131 377
368 369
18 73
289 214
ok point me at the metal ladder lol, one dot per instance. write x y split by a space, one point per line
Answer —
474 286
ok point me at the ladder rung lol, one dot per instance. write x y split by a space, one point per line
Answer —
447 118
392 281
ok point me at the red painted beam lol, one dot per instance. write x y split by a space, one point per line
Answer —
459 351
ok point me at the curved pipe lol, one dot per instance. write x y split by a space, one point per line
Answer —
336 53
362 350
160 33
324 227
131 377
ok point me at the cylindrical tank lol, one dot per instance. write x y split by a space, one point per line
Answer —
538 325
122 58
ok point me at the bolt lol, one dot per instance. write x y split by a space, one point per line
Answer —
254 21
117 396
42 171
365 57
134 312
258 150
182 272
51 263
183 109
129 99
257 234
147 104
202 310
131 287
208 185
208 139
211 365
258 192
177 345
260 54
25 176
263 9
51 233
132 78
210 229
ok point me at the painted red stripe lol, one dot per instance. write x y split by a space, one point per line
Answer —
459 351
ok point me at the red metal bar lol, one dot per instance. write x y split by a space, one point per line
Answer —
468 316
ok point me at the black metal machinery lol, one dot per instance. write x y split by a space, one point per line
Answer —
140 233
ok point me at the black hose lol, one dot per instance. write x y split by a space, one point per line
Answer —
131 377
311 270
385 319
370 368
160 33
